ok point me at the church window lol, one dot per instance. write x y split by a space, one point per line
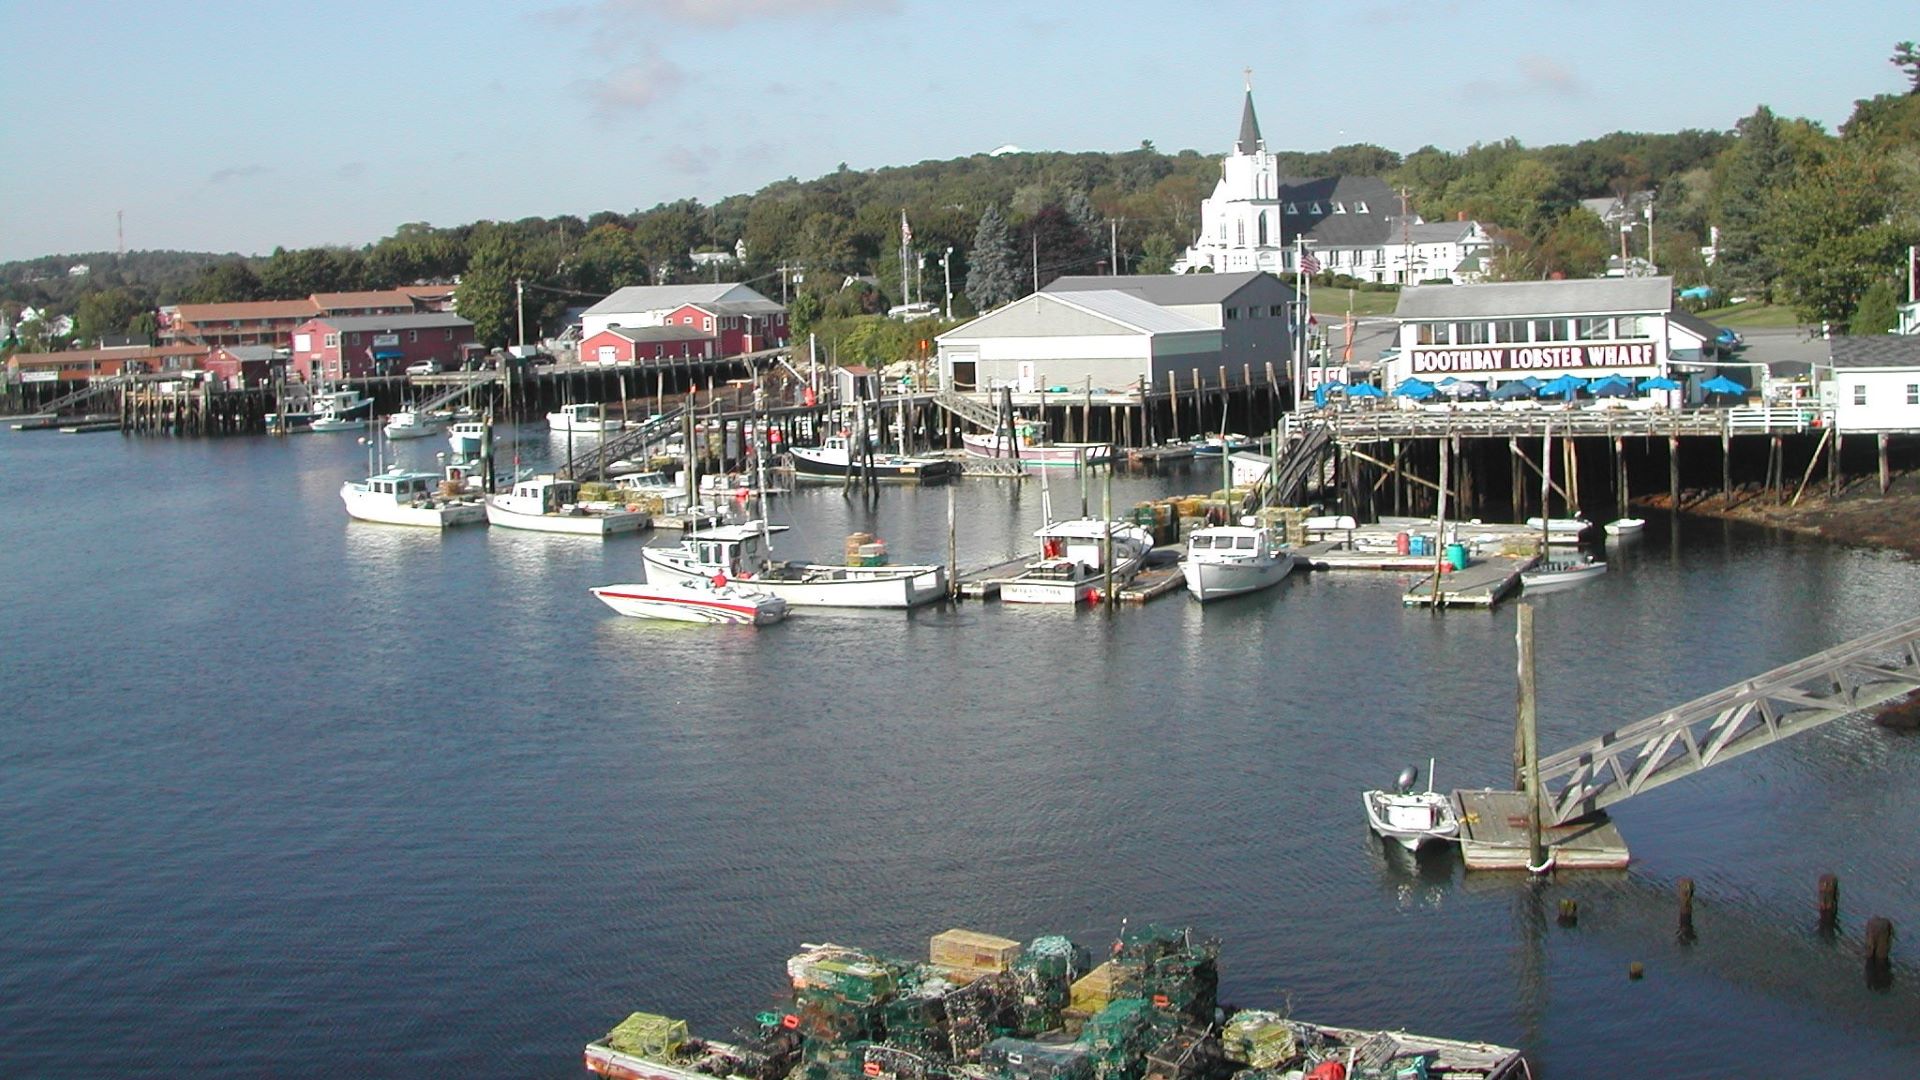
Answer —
1339 208
1240 234
1263 230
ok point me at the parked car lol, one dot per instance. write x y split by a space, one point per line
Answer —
424 367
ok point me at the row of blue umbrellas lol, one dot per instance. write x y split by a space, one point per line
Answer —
1565 386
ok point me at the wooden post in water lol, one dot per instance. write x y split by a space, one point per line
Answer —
953 547
1886 477
1879 950
1173 406
1106 558
1673 472
1526 738
1620 474
1726 466
1833 465
1686 908
1440 523
1829 902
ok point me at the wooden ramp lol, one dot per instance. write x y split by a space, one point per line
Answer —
1493 835
1483 583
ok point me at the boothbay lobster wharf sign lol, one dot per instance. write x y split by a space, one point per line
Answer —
1533 358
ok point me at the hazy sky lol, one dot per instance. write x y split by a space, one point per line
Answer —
241 126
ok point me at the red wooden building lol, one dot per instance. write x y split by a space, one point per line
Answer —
333 347
649 345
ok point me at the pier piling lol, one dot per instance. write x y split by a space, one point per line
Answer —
1829 903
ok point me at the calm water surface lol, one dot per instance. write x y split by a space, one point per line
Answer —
286 795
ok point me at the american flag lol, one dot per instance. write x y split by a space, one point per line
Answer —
906 231
1309 264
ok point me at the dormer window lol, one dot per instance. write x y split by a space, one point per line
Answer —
1292 209
1359 207
1316 209
1339 208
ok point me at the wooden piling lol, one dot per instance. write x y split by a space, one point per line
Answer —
1886 475
1673 472
1829 902
1686 906
1569 912
1879 950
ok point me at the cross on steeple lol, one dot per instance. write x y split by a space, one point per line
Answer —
1248 72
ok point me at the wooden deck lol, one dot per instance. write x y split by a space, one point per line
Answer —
1493 835
985 582
1484 583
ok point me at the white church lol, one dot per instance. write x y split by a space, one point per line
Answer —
1352 225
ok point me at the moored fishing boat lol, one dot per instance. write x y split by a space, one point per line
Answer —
413 424
1412 818
1169 1011
341 404
466 437
401 497
332 421
1229 560
1560 531
548 503
1561 574
744 553
1072 563
1034 449
586 417
692 600
1625 526
834 459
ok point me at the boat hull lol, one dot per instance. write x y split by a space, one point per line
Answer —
1209 580
1557 575
362 506
1055 454
809 464
694 603
589 523
820 585
413 431
1412 821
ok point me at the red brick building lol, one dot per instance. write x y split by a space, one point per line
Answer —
335 347
649 345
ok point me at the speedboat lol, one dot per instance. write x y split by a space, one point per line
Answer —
693 600
834 459
585 417
1412 818
1229 560
1561 574
547 503
744 553
1072 565
401 497
1625 526
412 424
1216 445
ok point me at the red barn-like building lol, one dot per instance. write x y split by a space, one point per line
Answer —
332 347
649 345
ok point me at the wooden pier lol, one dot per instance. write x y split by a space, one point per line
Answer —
1483 583
1493 835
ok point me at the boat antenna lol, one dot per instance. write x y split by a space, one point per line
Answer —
760 462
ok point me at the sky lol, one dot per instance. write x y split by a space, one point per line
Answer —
218 126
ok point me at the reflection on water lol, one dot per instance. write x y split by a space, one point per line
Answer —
332 792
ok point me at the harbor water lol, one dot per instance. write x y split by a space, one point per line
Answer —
287 795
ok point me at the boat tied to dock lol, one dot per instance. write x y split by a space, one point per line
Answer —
987 1008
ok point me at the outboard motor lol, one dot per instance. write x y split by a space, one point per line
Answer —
1409 776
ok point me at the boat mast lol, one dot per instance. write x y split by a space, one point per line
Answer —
760 461
1546 490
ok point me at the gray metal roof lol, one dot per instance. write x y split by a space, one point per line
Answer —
1878 350
1687 319
660 333
1516 299
1378 225
1249 139
744 307
635 298
1130 310
427 320
249 352
1167 290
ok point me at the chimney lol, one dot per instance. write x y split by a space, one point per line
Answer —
1460 216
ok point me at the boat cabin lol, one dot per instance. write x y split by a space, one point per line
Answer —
582 414
735 550
546 494
403 486
1221 540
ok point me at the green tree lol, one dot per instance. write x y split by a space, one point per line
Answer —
486 293
1906 57
229 282
992 275
1833 234
1757 165
107 313
291 275
1879 310
606 259
665 235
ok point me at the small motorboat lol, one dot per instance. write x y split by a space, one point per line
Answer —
1412 818
585 417
413 424
334 421
1560 574
1625 526
1561 531
698 600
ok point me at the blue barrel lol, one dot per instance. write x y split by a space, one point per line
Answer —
1420 544
1457 556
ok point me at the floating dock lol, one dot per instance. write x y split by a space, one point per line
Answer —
1493 835
984 583
1153 583
1483 583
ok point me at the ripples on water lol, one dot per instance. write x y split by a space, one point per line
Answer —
290 796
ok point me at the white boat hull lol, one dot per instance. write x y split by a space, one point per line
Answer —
326 424
364 506
1560 575
820 585
1412 820
1049 455
562 422
585 523
1625 526
695 602
413 431
1215 580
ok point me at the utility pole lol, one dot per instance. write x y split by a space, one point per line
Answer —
1036 261
1113 248
946 270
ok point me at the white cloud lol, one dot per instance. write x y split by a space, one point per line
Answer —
238 172
1537 76
635 87
631 15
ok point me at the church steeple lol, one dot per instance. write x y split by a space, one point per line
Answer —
1249 141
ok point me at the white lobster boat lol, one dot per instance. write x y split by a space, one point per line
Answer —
1230 560
413 424
401 497
585 417
547 503
1072 565
742 553
691 600
466 437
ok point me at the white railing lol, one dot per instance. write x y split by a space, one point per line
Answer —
1778 418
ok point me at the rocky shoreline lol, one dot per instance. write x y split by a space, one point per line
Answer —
1860 515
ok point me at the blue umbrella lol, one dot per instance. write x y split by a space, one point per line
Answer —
1564 386
1659 382
1720 384
1516 389
1611 386
1326 390
1365 390
1448 381
1417 389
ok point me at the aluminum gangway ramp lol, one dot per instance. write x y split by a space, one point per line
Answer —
88 392
1295 461
1761 711
605 451
985 417
469 382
